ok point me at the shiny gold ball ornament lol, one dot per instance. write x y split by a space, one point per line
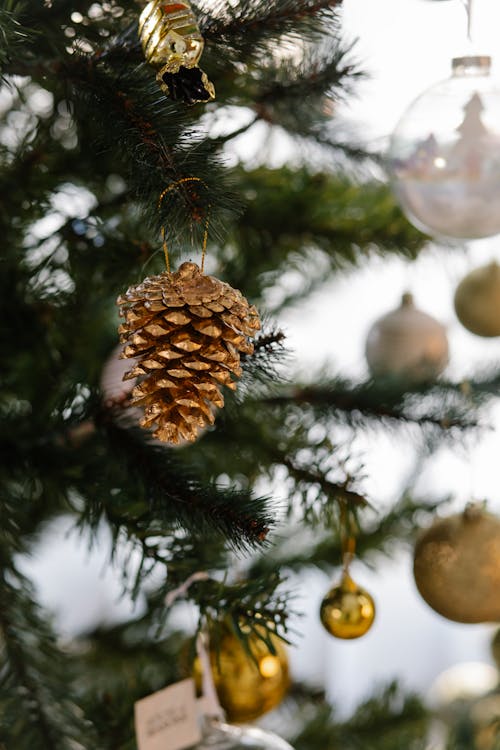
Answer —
457 566
347 611
247 688
477 301
186 331
407 343
171 41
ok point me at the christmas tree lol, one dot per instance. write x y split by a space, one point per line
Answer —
109 171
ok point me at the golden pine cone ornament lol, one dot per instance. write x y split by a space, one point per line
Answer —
186 330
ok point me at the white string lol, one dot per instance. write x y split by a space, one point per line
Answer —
211 705
182 590
468 10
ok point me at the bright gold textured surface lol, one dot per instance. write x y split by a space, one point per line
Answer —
457 566
247 689
347 611
171 41
180 363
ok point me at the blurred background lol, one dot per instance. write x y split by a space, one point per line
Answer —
404 46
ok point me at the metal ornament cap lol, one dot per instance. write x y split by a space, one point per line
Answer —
471 65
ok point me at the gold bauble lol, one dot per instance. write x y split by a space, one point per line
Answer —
485 717
477 301
347 611
246 687
407 343
457 566
495 648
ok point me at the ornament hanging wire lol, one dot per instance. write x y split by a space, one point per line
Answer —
164 193
468 10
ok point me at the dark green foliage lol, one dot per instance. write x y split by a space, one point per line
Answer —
87 144
389 721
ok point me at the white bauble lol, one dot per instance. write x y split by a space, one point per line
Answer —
407 343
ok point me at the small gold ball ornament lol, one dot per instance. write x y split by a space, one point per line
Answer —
347 611
407 343
477 301
247 688
457 566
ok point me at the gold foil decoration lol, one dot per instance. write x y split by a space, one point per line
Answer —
185 331
171 41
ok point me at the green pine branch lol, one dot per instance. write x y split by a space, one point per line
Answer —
312 224
390 720
38 707
439 405
249 22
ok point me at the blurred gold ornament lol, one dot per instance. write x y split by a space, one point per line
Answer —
171 40
347 611
477 301
186 331
495 648
408 343
485 717
246 687
457 566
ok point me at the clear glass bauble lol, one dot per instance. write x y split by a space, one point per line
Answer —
217 735
444 155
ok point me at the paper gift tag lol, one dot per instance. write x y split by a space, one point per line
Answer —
168 719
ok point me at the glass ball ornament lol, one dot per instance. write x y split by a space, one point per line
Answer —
444 155
218 735
347 611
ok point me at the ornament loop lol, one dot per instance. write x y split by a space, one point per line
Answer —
165 192
211 705
347 537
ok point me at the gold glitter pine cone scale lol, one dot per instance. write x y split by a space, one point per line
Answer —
186 332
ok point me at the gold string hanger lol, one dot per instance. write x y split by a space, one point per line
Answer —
165 192
347 537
